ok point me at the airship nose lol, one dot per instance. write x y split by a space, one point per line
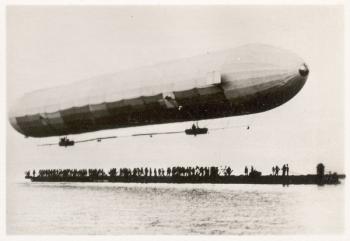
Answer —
303 70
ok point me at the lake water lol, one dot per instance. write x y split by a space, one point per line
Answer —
116 208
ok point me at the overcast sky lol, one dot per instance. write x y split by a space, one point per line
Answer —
50 46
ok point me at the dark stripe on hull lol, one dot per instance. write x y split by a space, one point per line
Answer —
77 119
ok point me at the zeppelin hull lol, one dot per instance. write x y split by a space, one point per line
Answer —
213 87
194 104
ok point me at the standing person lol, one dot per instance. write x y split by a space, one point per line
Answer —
277 170
287 169
246 170
273 171
228 171
168 171
283 170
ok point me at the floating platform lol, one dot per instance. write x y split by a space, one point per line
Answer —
284 180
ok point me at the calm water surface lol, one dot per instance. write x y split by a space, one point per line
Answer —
115 208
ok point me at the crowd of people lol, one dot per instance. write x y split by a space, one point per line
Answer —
173 171
177 171
67 173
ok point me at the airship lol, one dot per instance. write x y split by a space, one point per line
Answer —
245 80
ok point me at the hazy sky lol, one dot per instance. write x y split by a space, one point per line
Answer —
50 46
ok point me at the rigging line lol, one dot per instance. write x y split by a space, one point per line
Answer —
97 138
49 144
229 127
157 133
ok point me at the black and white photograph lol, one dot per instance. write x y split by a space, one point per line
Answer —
175 120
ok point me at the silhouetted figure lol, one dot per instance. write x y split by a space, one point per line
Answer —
146 171
283 170
246 170
320 173
168 171
155 172
33 173
273 170
150 172
287 169
277 169
320 170
228 171
251 169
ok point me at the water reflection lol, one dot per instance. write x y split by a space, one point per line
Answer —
119 208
